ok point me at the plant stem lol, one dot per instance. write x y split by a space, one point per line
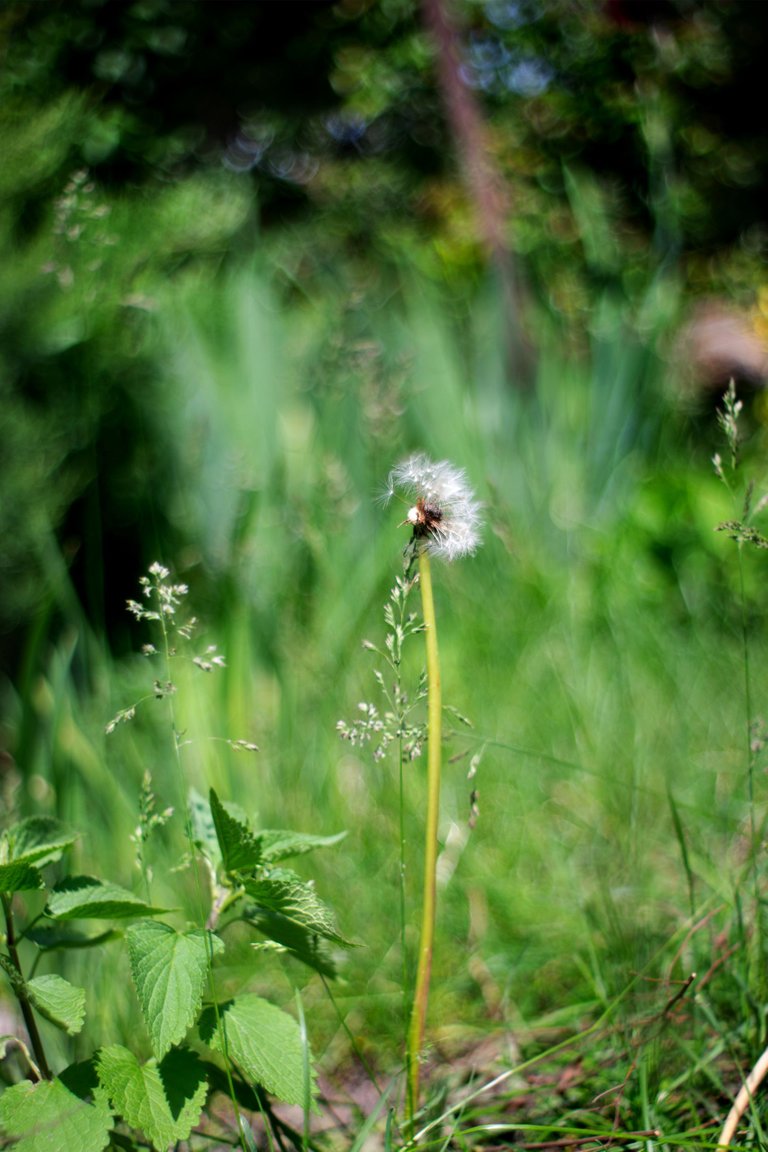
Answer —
194 856
20 990
434 751
404 957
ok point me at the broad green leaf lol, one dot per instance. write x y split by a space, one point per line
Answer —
36 840
203 827
48 1117
19 877
264 1042
301 944
162 1099
240 849
64 934
277 845
58 1001
86 898
284 892
169 969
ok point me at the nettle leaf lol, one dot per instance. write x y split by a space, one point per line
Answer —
240 849
278 845
86 898
62 934
264 1042
163 1099
203 827
169 970
58 1001
48 1117
301 944
284 892
20 877
36 840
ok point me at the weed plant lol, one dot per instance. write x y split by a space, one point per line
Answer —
206 1030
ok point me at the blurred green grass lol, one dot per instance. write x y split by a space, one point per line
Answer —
595 642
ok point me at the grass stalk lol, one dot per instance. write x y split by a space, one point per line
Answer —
194 855
429 900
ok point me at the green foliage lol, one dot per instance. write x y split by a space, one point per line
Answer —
238 848
256 1046
170 970
276 899
161 1098
25 847
16 877
265 1044
282 891
248 415
588 644
86 898
38 839
51 1116
57 1001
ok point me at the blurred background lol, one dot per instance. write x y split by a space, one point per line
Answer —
251 254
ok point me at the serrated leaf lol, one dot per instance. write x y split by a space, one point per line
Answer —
36 840
48 1117
19 877
169 970
58 1001
203 827
278 845
240 849
62 935
86 898
284 892
301 944
264 1042
163 1099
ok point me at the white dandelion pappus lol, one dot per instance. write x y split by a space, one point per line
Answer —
445 516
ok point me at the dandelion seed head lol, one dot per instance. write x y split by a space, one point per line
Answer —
445 517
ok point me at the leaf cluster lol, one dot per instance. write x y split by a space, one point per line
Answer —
198 1044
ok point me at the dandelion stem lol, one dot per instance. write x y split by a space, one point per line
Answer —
434 749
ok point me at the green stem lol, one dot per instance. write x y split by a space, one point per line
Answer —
404 958
194 856
20 990
434 750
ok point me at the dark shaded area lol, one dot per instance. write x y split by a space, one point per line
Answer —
178 73
174 83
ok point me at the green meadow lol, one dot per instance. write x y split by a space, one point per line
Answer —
212 637
599 925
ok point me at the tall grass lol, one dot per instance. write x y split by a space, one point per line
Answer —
594 643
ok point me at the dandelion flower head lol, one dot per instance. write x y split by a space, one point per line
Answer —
444 515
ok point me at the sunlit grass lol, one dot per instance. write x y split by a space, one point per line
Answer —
594 643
